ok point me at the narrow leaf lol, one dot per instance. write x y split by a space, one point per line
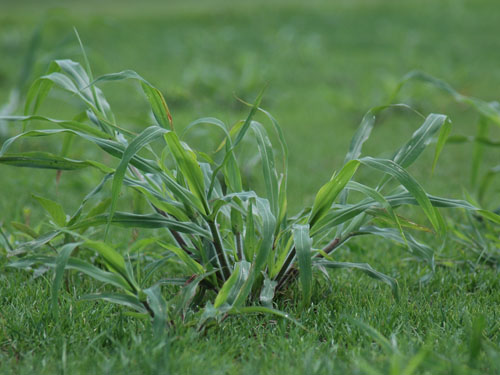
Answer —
146 137
61 262
366 268
303 244
327 194
405 179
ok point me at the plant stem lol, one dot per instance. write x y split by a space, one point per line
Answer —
148 308
5 238
221 256
332 245
286 265
288 273
239 247
178 238
338 242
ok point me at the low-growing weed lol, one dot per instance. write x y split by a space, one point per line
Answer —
223 248
475 235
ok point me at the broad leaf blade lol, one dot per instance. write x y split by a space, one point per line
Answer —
54 209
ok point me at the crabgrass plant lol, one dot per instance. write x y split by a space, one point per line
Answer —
236 249
489 114
474 235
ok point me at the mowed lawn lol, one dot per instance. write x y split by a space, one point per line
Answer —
323 64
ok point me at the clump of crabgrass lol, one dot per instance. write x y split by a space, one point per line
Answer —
235 249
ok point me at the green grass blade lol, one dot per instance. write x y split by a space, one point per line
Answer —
231 170
486 181
415 247
98 274
268 167
407 198
150 221
39 91
67 124
327 194
78 76
118 298
422 137
67 84
23 228
158 106
491 216
61 262
488 110
147 136
379 198
376 335
303 244
366 268
99 100
90 195
249 242
169 206
159 308
264 310
113 148
242 129
207 121
190 168
399 173
77 265
477 156
267 293
248 121
233 285
442 140
365 128
192 265
281 138
259 260
361 136
33 133
183 300
114 261
279 133
415 361
267 230
282 195
45 160
340 215
155 97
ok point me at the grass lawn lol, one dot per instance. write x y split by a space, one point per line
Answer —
324 64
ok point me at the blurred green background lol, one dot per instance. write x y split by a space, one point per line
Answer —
324 64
